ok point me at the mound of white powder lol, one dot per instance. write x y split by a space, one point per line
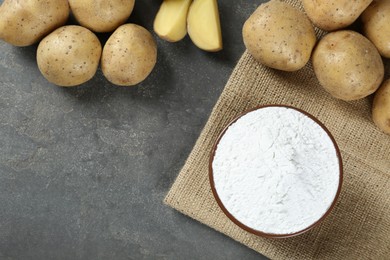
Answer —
276 170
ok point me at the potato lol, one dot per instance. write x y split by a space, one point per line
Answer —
171 20
381 107
101 15
348 65
203 25
129 55
279 36
23 23
376 25
69 56
334 14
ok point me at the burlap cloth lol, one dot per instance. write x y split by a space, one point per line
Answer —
359 225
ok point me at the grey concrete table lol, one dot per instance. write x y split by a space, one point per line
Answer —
83 171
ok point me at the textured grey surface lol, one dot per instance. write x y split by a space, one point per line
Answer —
83 171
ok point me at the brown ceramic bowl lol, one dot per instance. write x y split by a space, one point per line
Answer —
257 232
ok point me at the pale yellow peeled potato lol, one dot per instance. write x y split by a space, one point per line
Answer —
204 26
171 20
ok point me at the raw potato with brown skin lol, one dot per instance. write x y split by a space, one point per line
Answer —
381 107
69 56
279 36
129 55
376 25
101 15
23 23
334 14
348 65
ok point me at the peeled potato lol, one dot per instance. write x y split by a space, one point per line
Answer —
381 107
69 56
348 65
101 15
171 20
376 21
204 26
129 55
279 36
24 23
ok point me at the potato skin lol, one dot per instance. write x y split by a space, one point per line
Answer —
101 15
334 14
129 55
381 107
23 23
279 36
376 25
69 56
347 65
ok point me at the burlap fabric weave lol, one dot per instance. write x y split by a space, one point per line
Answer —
359 225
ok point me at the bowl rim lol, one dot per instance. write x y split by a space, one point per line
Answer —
254 231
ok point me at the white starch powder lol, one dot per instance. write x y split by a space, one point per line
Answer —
276 170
